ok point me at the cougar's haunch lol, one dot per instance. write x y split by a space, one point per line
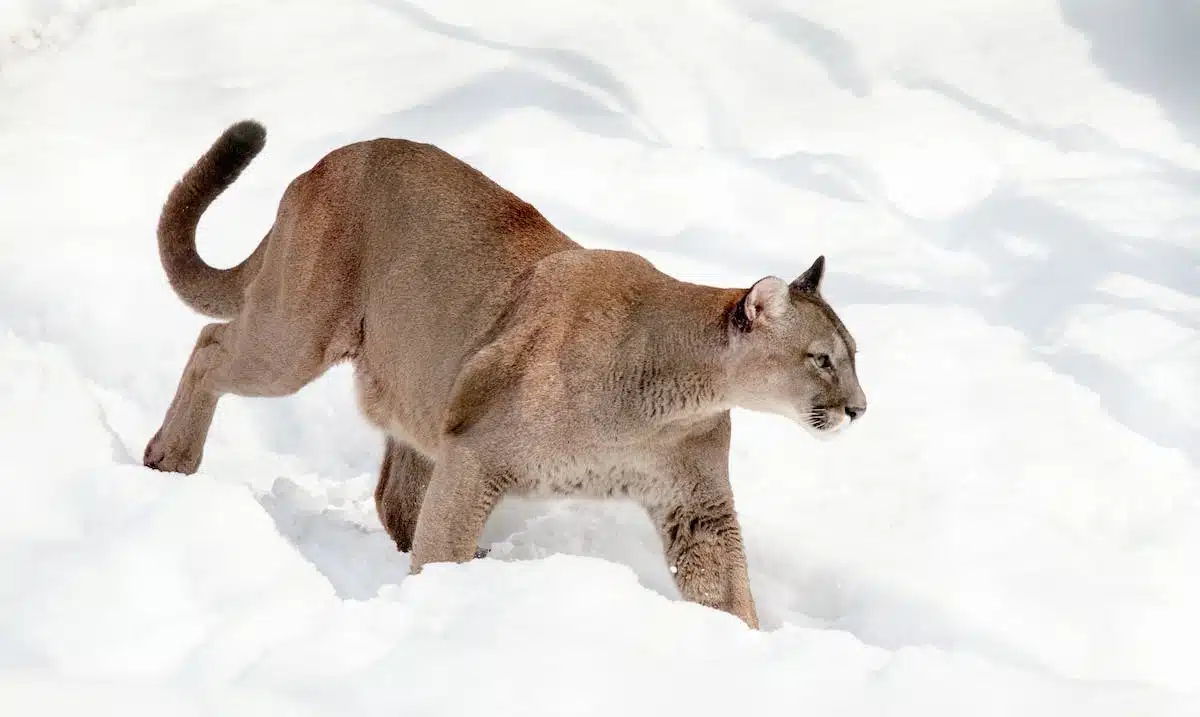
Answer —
497 356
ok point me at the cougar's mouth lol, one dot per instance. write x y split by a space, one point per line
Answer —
825 420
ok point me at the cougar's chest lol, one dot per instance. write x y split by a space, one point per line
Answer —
595 474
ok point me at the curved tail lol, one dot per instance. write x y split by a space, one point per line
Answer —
214 292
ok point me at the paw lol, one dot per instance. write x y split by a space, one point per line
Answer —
161 456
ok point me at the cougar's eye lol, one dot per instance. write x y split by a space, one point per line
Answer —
822 361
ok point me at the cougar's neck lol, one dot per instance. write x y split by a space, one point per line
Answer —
684 372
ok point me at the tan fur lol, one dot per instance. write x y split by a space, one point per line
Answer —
498 356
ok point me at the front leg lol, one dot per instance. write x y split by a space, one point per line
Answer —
696 520
461 495
703 546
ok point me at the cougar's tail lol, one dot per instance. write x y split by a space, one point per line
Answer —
210 291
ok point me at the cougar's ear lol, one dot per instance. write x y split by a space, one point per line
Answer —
763 301
810 281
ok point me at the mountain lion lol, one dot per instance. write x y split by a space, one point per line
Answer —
498 356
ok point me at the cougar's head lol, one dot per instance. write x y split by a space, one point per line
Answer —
792 355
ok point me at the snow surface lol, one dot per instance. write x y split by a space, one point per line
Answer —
1008 194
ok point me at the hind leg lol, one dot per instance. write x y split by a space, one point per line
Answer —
178 445
403 478
256 354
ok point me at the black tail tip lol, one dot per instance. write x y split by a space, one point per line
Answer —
247 137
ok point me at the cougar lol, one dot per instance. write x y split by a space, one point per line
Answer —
496 355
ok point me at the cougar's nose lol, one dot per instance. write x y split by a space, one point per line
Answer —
855 411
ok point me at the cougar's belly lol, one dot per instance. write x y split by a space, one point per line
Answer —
400 416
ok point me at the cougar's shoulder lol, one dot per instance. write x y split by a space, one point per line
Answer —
533 320
586 333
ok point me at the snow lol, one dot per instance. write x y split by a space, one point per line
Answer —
1008 205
